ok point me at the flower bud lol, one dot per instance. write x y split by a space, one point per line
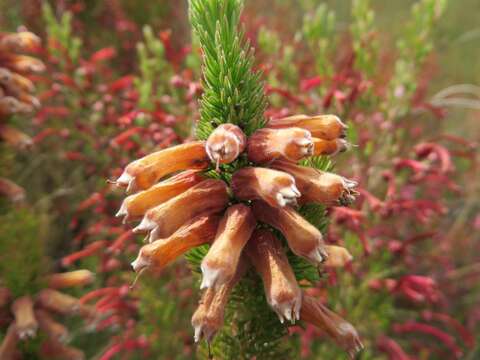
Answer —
281 289
329 147
337 256
19 42
201 230
341 331
144 172
225 144
209 196
26 324
71 278
303 238
137 205
58 302
54 349
50 327
274 187
327 127
220 263
15 137
266 145
15 193
208 318
319 186
8 348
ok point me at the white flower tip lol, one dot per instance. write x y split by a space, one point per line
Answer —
318 255
122 211
145 225
140 263
124 179
210 276
197 333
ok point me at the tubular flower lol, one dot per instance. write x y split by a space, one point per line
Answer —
319 186
327 127
274 187
143 173
238 209
341 331
281 289
22 309
225 144
48 325
266 145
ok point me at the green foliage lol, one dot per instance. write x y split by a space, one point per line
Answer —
233 92
60 35
22 251
364 39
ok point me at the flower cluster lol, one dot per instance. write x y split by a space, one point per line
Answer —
243 212
29 315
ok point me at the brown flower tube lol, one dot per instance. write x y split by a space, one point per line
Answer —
143 173
15 82
303 238
12 191
15 137
337 256
135 206
209 315
329 147
220 263
281 288
54 349
327 127
70 278
266 145
160 253
209 196
277 188
58 302
8 348
225 144
22 64
51 327
27 325
19 42
9 106
340 330
319 186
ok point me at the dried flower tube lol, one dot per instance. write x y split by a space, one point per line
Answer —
209 315
136 205
327 127
54 349
14 137
71 278
329 147
9 105
22 64
225 144
8 348
281 288
61 303
18 42
275 187
26 324
341 331
11 190
15 81
319 186
303 238
143 173
160 253
209 196
266 145
220 263
338 256
51 327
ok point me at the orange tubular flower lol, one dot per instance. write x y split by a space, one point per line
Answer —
327 127
61 303
144 172
23 64
48 325
281 289
266 145
329 147
209 196
341 331
277 188
319 186
208 318
71 278
337 256
303 238
9 105
26 324
225 144
135 206
220 264
201 230
18 42
15 137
